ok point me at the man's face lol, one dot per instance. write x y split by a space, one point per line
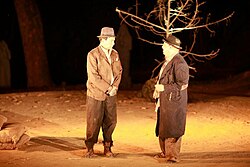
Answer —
166 49
108 43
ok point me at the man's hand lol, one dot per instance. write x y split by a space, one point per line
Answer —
184 86
159 87
109 90
113 91
155 94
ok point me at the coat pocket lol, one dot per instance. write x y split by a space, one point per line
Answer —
176 96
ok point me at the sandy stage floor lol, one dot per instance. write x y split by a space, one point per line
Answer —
217 131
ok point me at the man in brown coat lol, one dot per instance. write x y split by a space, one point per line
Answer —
171 94
104 75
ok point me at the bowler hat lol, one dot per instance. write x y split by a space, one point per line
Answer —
107 32
174 41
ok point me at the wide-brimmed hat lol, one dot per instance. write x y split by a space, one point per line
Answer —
174 41
107 32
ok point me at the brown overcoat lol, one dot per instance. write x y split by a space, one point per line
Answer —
171 119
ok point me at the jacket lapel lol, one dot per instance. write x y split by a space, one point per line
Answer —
166 69
102 54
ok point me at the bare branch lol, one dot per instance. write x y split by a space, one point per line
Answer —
145 40
174 30
209 56
173 16
138 18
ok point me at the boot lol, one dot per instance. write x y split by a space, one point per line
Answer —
107 149
90 153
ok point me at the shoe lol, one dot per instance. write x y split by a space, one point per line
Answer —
173 160
109 154
160 155
107 149
90 154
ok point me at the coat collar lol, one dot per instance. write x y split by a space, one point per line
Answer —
168 67
102 54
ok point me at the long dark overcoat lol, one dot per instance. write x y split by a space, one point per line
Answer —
171 120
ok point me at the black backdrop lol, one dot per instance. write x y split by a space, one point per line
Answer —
71 27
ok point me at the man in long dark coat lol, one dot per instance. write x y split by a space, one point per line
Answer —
171 95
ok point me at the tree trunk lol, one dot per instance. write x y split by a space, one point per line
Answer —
33 43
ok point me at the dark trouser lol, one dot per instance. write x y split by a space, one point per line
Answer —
100 114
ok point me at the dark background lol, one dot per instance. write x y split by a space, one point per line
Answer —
70 30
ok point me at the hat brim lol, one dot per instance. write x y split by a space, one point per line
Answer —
176 46
101 36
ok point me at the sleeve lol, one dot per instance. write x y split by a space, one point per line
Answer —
93 75
118 75
182 74
181 77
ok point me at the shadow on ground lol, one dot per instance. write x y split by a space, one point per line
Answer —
54 144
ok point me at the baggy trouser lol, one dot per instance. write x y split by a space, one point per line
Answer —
172 149
100 114
162 145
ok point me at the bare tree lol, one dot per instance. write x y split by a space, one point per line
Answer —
170 17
